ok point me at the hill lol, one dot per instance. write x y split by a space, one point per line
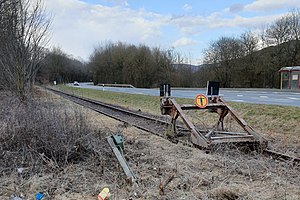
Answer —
259 69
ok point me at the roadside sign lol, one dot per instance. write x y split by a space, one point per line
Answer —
201 101
213 88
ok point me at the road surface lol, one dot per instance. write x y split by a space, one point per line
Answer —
256 96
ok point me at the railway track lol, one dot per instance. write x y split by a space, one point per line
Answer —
150 123
153 124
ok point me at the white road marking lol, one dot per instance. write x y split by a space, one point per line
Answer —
263 96
293 98
238 100
240 95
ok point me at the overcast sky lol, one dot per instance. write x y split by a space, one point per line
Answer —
186 25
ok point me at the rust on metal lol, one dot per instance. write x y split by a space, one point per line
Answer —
204 137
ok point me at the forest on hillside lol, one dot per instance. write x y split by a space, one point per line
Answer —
253 60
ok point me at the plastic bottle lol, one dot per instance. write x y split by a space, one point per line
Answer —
104 194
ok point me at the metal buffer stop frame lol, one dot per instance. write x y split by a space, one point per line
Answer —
203 137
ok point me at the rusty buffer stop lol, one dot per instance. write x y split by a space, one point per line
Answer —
203 135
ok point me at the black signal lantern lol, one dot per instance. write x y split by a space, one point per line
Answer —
165 90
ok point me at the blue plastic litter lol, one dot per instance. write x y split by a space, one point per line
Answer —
39 196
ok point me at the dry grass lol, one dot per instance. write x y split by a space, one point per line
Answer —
49 145
224 174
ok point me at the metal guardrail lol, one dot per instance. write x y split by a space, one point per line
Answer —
115 85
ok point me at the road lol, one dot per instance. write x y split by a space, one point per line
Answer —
256 96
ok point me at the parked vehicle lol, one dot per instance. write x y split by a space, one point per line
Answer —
76 83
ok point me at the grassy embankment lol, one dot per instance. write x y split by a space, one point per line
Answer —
278 123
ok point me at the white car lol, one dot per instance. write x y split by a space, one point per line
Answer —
76 83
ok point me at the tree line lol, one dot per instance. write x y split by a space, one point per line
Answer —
137 65
248 60
62 68
119 62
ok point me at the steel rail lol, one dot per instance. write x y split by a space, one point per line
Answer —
94 105
83 101
281 156
110 106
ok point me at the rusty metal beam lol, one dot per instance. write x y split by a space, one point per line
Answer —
196 137
206 138
194 107
244 124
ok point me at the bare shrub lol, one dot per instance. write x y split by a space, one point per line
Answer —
24 29
50 145
36 133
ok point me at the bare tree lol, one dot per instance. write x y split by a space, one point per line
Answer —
278 32
23 36
293 49
250 42
293 23
223 54
285 33
250 45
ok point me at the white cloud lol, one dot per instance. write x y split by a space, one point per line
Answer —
235 8
267 5
195 25
119 2
244 22
189 24
78 26
187 7
263 6
184 41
